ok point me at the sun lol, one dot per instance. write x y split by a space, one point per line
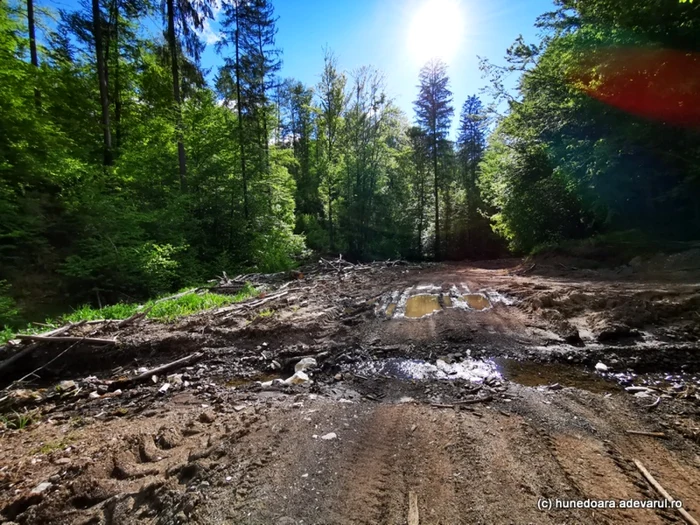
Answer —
436 30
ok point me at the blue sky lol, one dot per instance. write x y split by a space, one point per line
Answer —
387 34
379 33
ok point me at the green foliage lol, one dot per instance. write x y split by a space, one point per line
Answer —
164 310
8 307
569 162
18 420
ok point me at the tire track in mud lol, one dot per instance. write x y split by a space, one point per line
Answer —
371 475
596 454
506 466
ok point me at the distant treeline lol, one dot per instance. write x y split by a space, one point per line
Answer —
123 174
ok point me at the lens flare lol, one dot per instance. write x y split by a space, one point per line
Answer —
658 84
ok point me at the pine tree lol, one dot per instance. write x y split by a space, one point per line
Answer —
183 19
471 143
433 114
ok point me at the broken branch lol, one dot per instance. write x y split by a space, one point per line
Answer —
643 433
687 517
69 339
155 371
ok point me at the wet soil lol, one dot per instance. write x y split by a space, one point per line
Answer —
479 407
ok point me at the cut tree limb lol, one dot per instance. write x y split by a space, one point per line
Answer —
28 350
644 433
155 371
687 517
69 339
413 516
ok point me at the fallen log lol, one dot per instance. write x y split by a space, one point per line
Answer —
687 517
67 339
155 371
28 350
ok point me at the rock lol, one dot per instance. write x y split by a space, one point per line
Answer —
338 377
62 461
299 378
141 370
65 386
307 362
329 436
555 386
208 416
163 389
94 395
175 380
41 487
600 367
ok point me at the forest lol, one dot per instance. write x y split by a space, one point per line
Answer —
125 174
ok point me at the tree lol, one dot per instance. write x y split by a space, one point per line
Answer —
102 79
34 57
332 99
183 19
433 114
471 143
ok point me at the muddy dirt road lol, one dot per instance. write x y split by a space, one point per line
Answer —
434 394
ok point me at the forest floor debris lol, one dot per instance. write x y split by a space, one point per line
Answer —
210 418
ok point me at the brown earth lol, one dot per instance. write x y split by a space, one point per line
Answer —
481 414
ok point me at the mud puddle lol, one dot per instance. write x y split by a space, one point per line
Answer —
476 301
534 374
526 373
420 305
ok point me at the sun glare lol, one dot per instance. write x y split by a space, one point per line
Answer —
436 30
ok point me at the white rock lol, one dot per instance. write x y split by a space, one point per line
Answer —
41 487
601 367
94 395
64 386
175 379
330 435
163 389
142 370
298 378
307 362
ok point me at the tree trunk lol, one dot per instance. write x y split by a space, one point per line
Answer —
437 201
172 44
102 78
32 46
117 85
239 109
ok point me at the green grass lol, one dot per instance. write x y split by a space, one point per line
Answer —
160 311
18 420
